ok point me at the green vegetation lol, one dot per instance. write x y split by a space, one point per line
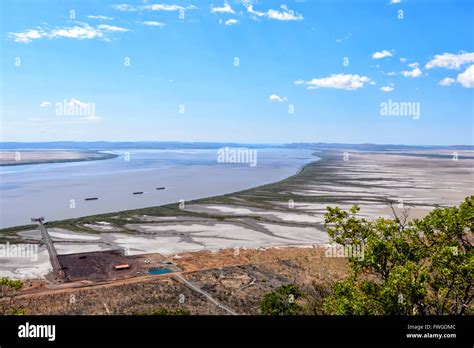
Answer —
10 234
7 286
8 290
424 267
282 301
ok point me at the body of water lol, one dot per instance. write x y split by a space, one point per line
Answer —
158 271
130 181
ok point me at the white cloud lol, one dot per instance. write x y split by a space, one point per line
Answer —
224 9
276 98
163 7
152 7
28 36
76 102
106 27
386 89
154 23
80 31
466 79
416 72
124 7
252 11
100 17
381 54
231 21
339 81
447 81
391 73
45 104
450 60
392 2
414 65
403 59
282 14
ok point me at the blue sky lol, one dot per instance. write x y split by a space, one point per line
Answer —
164 71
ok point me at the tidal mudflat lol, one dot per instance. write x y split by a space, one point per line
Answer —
286 213
24 157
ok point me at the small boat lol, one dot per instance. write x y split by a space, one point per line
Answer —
91 199
138 193
160 188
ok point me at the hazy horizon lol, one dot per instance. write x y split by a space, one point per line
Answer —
231 143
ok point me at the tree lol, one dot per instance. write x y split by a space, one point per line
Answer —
8 291
423 267
282 301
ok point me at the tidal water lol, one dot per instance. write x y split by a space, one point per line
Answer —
58 190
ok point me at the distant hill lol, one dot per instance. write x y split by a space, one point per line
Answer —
106 145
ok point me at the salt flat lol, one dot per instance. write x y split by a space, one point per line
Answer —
26 267
283 216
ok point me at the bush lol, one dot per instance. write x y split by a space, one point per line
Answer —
282 301
423 267
8 291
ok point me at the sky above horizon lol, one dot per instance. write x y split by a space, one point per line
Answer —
385 71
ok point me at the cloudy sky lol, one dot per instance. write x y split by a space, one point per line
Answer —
240 71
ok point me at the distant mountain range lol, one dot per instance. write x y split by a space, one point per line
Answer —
106 145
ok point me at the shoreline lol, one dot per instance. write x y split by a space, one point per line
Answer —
97 156
18 228
257 196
